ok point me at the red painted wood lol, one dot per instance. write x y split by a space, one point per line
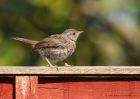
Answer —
68 88
26 87
88 89
33 87
6 88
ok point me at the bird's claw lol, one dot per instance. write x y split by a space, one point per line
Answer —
66 64
54 67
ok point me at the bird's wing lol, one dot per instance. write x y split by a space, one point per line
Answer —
52 42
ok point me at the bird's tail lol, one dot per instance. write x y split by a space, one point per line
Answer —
27 41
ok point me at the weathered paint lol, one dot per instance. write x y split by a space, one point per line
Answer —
88 89
26 87
30 87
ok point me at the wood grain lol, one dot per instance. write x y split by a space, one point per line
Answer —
26 87
89 90
73 70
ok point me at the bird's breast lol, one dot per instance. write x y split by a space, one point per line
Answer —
56 54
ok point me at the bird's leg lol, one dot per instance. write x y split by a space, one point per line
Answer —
49 62
66 64
50 65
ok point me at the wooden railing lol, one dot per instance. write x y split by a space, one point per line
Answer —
77 82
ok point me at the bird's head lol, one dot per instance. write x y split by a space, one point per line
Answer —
72 34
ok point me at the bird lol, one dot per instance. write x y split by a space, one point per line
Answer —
54 48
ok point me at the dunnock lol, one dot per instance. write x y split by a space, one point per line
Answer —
55 48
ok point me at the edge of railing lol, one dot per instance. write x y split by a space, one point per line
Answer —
71 70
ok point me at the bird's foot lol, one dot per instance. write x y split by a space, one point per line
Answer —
67 65
50 64
54 67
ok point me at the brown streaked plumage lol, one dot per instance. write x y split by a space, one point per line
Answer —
56 47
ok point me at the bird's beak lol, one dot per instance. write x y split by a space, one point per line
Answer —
81 32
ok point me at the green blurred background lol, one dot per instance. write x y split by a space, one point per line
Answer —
111 37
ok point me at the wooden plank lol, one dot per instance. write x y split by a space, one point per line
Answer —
73 70
6 87
26 87
95 89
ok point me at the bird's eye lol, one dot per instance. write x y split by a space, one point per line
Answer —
74 33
